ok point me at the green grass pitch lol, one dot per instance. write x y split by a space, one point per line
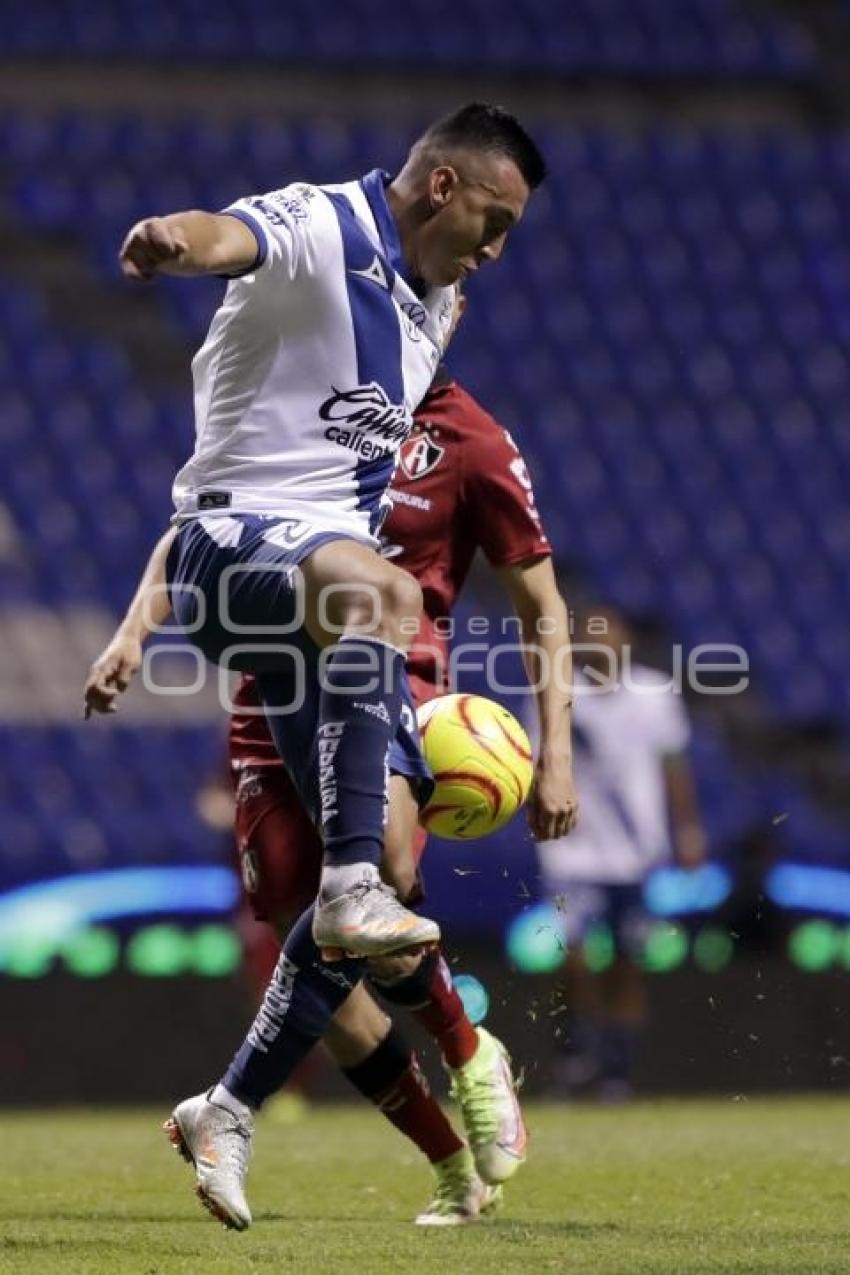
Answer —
670 1187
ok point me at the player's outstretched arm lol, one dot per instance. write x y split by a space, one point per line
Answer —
114 669
689 838
553 806
187 243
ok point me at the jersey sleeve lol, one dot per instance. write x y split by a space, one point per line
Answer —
284 224
500 502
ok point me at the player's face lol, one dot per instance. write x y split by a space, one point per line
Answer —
473 206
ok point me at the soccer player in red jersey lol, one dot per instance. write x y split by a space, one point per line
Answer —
461 485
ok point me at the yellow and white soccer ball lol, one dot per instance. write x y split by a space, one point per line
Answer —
482 765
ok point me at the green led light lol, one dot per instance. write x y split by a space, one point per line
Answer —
30 958
666 947
713 950
815 945
536 940
91 953
216 951
159 951
844 952
598 948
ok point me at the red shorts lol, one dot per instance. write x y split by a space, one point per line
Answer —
280 852
279 849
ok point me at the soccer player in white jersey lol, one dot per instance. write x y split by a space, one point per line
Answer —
329 334
638 810
334 321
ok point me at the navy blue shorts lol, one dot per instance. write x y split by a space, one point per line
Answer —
232 581
620 907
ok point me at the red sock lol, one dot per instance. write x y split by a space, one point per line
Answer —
413 1109
390 1077
443 1016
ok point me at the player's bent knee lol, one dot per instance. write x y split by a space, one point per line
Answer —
401 596
395 967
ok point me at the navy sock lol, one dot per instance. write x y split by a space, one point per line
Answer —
390 1077
359 713
302 997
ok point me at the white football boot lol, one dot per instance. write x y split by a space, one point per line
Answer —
461 1197
218 1143
368 920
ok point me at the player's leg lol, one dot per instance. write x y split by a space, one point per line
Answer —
380 1064
363 612
304 993
279 854
578 1064
235 577
420 981
621 1023
214 1130
298 1005
281 857
272 831
477 1063
623 992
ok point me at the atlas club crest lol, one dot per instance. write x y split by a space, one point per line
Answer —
420 455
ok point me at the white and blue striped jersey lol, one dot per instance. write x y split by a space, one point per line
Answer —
620 741
314 362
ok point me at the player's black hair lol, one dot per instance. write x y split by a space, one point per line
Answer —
488 128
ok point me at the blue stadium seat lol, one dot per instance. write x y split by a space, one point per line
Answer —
716 38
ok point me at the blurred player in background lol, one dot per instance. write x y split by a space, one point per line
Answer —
461 485
638 811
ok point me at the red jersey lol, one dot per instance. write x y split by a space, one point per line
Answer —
461 484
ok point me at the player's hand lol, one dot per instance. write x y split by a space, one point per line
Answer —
111 674
553 804
150 245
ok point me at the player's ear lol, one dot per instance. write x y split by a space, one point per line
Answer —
442 183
